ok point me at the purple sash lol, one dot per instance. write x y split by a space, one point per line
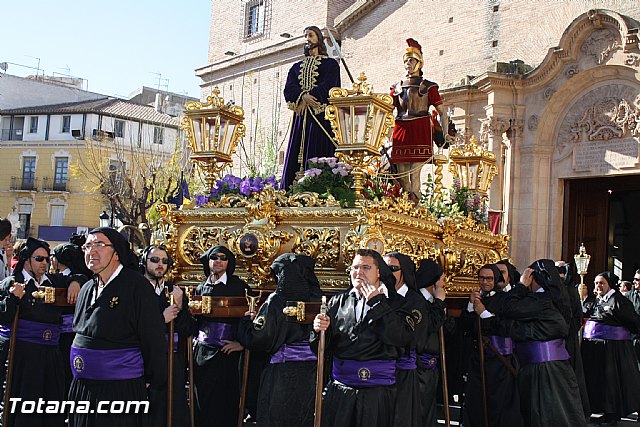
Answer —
407 362
299 351
106 365
67 323
504 345
541 351
34 332
600 331
176 337
428 361
211 332
364 373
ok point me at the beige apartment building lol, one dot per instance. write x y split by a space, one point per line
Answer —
551 87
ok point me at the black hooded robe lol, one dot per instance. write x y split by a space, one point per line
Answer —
216 374
287 389
611 366
382 334
183 325
37 367
549 394
124 316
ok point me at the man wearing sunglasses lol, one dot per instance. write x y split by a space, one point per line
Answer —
38 369
155 262
217 351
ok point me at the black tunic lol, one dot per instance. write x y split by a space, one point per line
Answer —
183 326
37 368
216 374
634 296
125 315
611 366
428 342
382 334
503 400
287 390
549 394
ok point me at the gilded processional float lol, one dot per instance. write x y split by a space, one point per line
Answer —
271 222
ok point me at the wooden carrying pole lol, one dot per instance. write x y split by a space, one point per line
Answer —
445 385
320 371
483 380
9 381
170 371
252 302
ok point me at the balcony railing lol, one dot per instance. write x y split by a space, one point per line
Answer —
49 184
24 183
11 135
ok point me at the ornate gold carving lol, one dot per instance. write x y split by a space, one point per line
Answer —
322 244
196 240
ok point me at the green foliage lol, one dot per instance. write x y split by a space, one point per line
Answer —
327 177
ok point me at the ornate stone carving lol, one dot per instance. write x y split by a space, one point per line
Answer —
601 44
532 123
491 127
571 71
603 114
548 93
632 59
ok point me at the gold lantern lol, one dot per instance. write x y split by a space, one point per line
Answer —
582 264
474 166
360 120
213 130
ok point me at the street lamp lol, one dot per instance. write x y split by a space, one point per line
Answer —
582 264
473 166
213 130
360 120
104 219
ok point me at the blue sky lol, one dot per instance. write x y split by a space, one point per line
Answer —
118 46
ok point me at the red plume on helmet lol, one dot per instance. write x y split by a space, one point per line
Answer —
413 43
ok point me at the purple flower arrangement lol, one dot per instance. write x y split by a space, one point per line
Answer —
231 184
327 176
469 202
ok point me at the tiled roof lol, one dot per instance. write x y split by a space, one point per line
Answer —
107 106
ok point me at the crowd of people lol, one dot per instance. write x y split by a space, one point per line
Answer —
541 355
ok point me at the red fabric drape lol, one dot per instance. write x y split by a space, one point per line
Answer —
494 221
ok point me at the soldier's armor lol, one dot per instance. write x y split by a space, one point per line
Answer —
412 98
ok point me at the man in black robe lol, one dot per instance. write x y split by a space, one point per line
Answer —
634 296
407 411
67 261
503 403
37 363
217 351
431 285
287 389
155 261
610 363
549 394
367 329
118 353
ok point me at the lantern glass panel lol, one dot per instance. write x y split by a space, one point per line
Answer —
376 126
197 133
226 131
344 117
359 123
473 176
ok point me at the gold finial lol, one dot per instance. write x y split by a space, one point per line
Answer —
215 91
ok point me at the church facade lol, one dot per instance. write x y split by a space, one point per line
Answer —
551 87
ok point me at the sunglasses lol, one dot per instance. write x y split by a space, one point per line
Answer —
220 257
40 258
156 260
394 268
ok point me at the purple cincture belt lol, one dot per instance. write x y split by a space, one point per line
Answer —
176 337
67 323
599 331
211 332
299 351
504 345
407 362
428 361
541 351
364 373
34 332
106 365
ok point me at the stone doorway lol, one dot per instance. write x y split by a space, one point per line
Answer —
604 213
